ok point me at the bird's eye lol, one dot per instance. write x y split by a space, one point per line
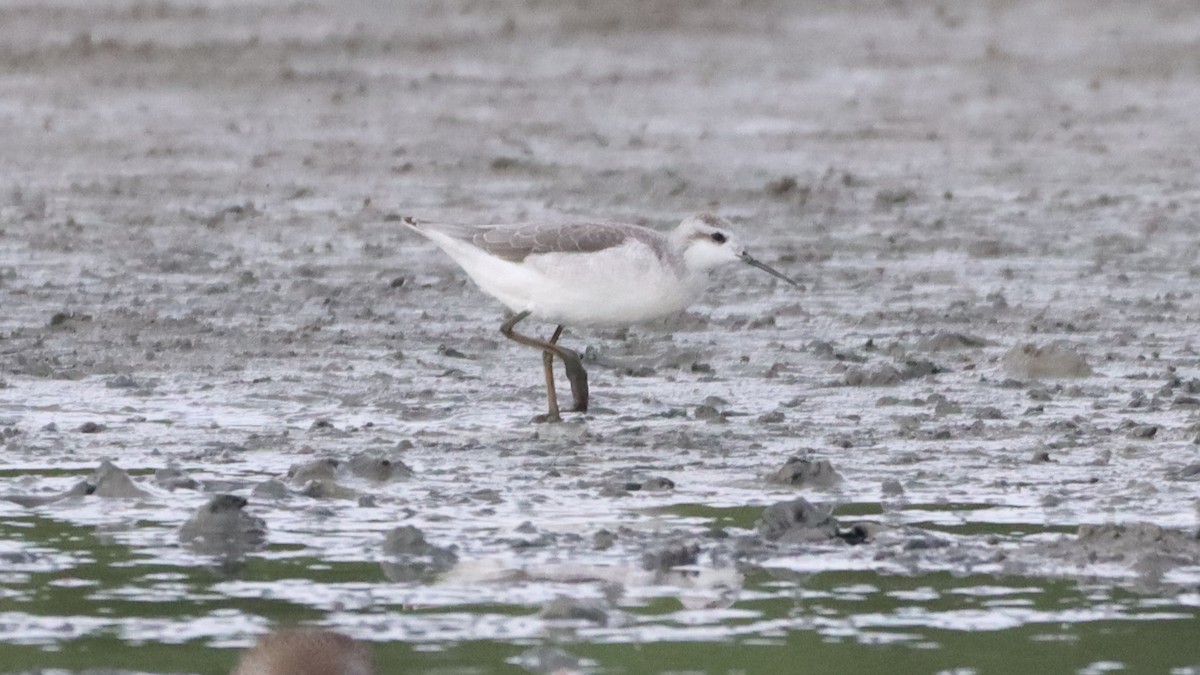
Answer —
718 237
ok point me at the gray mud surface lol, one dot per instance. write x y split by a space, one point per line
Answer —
987 395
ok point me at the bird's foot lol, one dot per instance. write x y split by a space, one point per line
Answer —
552 417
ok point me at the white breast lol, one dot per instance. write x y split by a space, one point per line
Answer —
621 285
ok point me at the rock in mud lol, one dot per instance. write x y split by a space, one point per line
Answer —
80 489
894 196
892 488
222 527
798 472
411 558
1189 472
917 368
323 468
603 540
922 541
271 488
782 186
822 349
1143 432
574 609
673 555
946 341
887 375
327 488
113 482
322 425
622 487
989 413
657 484
797 521
1040 457
1185 403
377 468
773 417
879 376
173 478
1128 543
1053 361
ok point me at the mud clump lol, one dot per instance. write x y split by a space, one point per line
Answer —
271 488
222 527
1143 432
318 469
787 186
797 472
672 556
1130 543
894 196
80 489
377 468
573 609
113 482
325 488
773 417
887 375
620 488
411 558
946 341
656 484
603 540
174 478
797 522
892 488
823 349
318 479
1189 472
1053 361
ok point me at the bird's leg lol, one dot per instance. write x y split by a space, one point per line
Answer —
548 365
548 351
577 376
575 372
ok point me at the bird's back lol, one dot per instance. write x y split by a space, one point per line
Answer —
516 242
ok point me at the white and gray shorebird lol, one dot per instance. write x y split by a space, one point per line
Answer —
588 274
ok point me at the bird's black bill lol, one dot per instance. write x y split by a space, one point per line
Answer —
749 260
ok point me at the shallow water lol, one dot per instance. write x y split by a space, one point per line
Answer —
992 207
84 598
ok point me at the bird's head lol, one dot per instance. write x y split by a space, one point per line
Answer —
707 242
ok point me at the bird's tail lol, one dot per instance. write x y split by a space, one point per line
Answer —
425 227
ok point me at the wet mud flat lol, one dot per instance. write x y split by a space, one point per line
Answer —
971 442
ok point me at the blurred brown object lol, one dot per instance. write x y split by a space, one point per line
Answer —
305 651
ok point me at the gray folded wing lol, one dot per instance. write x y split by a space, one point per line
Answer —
515 243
